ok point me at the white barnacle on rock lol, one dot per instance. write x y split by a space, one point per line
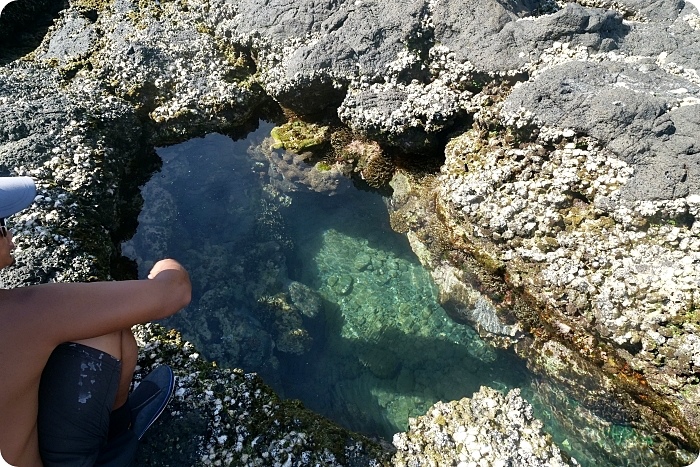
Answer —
486 427
693 20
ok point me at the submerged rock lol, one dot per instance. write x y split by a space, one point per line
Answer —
290 172
305 299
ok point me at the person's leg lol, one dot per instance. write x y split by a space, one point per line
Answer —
108 343
122 346
129 356
82 383
141 408
128 415
77 391
121 443
121 417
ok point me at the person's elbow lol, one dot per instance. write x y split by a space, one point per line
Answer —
185 294
181 293
174 285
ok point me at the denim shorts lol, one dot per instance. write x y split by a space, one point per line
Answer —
76 395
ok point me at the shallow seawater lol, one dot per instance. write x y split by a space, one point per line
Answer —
298 276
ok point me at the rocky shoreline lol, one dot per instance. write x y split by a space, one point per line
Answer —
561 223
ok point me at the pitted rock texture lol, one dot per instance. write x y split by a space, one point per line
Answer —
161 58
498 39
647 117
489 425
318 47
66 139
576 191
557 224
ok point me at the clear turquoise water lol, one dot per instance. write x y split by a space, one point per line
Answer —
366 342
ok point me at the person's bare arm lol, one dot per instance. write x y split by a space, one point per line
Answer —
73 311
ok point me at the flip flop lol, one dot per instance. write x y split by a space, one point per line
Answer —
149 399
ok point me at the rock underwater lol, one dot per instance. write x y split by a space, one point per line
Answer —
563 222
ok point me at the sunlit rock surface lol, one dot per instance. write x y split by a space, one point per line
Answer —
490 424
569 193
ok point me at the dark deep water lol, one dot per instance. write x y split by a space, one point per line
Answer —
314 291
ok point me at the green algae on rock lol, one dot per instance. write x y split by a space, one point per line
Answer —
369 159
298 137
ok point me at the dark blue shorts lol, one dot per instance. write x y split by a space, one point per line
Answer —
76 395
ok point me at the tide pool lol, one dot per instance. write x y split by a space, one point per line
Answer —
298 276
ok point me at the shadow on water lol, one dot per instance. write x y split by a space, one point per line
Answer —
374 386
376 348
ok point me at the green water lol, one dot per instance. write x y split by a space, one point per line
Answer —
301 279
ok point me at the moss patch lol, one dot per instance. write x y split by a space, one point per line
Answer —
298 136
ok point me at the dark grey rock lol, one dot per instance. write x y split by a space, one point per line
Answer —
658 10
675 43
411 107
280 20
631 111
671 168
78 144
220 416
384 112
74 39
160 58
497 39
318 47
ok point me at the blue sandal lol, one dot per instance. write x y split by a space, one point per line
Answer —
149 399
